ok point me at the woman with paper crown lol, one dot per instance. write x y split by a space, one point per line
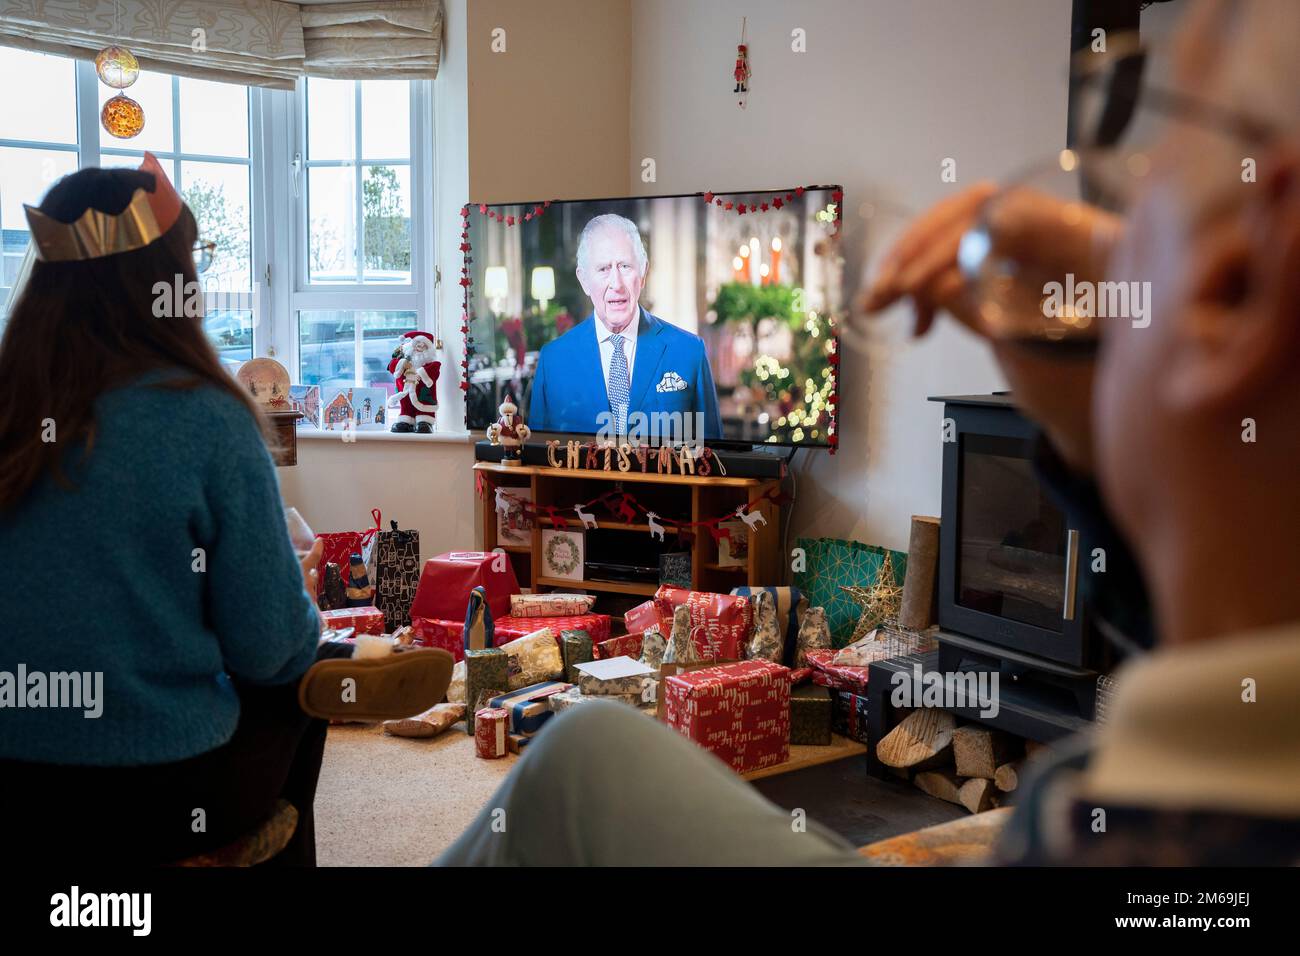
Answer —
149 676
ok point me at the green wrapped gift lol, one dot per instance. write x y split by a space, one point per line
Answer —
575 648
831 563
486 669
810 715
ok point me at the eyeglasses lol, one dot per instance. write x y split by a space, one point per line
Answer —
204 252
1078 201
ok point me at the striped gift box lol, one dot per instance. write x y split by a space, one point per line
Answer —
790 605
529 707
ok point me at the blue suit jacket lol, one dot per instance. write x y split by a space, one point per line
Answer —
569 385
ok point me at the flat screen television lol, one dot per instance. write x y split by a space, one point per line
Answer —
723 306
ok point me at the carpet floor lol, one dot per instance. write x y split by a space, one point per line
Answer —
392 801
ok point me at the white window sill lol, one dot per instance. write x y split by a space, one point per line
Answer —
454 438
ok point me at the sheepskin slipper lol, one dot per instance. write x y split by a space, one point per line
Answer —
376 688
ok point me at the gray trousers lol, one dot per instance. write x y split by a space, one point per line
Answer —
604 785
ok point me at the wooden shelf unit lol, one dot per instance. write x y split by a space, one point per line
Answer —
676 497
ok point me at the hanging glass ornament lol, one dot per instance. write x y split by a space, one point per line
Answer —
122 117
117 67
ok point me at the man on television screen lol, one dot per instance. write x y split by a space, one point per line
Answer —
622 370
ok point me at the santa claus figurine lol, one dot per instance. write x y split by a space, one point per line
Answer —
416 373
509 431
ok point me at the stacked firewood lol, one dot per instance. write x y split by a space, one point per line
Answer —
967 764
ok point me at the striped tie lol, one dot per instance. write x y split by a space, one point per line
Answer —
619 385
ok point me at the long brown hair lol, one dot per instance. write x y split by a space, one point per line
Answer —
79 329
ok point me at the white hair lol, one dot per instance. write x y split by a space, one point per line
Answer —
611 221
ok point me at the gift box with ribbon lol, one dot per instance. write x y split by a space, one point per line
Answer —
849 715
528 706
626 645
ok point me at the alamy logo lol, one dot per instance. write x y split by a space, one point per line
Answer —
1104 300
75 908
77 690
948 690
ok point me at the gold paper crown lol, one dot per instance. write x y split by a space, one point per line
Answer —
97 234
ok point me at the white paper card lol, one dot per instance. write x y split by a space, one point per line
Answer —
613 667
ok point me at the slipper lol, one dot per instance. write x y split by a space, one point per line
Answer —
376 688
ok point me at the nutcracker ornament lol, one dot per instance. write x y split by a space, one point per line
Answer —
415 371
742 74
510 432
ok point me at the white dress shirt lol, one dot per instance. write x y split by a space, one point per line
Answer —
607 347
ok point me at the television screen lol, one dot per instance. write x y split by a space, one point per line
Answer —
706 317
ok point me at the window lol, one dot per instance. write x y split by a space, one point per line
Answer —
359 286
38 145
199 130
318 202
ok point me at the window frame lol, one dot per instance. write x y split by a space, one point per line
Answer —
302 295
277 187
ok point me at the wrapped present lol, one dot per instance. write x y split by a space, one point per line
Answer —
765 639
515 743
490 732
720 623
832 563
849 715
850 677
645 616
484 670
814 635
428 724
510 627
790 607
551 605
576 648
431 632
629 645
528 706
572 697
800 675
367 620
445 583
738 711
810 715
532 659
653 646
638 684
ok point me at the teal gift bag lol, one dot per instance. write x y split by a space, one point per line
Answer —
830 563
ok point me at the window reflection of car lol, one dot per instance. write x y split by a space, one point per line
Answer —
326 351
230 332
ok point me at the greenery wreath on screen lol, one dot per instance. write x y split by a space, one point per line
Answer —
563 564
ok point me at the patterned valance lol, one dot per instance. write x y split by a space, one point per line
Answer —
260 42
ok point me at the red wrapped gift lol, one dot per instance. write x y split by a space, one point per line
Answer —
627 645
645 616
850 677
449 635
508 628
445 583
740 712
367 620
720 623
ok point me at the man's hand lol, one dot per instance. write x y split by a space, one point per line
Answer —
1030 228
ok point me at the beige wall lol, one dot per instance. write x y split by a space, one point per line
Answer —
548 118
884 92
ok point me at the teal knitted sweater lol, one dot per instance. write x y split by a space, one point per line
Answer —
165 568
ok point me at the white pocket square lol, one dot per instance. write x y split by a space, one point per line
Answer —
671 382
